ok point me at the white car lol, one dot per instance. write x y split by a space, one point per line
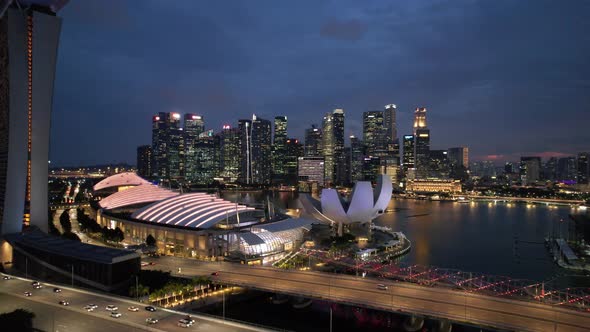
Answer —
115 314
151 320
382 287
186 322
7 277
93 306
111 307
27 294
89 308
132 308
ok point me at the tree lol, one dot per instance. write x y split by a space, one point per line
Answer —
71 236
52 229
64 221
18 320
118 235
150 240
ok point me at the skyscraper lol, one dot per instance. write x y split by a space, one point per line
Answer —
245 148
567 169
333 147
356 159
374 134
409 157
206 161
459 156
279 152
261 162
421 143
194 125
294 150
167 146
419 118
530 168
230 153
583 168
144 161
29 38
313 142
392 141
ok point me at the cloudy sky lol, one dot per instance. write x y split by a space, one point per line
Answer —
503 77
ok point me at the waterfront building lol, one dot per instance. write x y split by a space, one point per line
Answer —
167 146
144 161
409 160
438 164
29 38
279 149
261 151
433 186
422 152
333 147
583 168
194 125
313 142
530 168
229 154
310 170
485 168
293 151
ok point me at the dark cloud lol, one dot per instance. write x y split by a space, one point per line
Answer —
495 75
343 29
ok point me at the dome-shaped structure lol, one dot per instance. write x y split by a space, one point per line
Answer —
120 180
142 194
365 205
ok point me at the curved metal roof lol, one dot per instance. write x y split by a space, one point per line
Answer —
120 180
145 193
195 210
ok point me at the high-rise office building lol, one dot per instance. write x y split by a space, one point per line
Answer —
167 146
261 147
459 156
419 118
567 169
409 160
392 141
530 168
422 154
333 147
29 38
439 166
357 154
311 169
583 168
313 142
374 134
279 152
144 161
294 150
194 125
550 169
245 148
206 163
229 153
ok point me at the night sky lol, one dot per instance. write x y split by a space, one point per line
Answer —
505 78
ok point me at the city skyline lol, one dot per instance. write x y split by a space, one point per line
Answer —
473 99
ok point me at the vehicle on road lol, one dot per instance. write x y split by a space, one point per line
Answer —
64 302
145 263
151 320
150 308
57 290
111 307
89 308
7 277
181 324
27 294
92 305
115 314
133 308
215 273
35 283
190 319
186 322
382 287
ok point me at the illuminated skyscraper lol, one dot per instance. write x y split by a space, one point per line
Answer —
333 147
459 156
194 125
167 146
356 159
294 150
374 134
206 161
419 118
313 142
530 168
409 153
279 152
583 168
144 161
230 153
245 147
261 160
29 38
392 141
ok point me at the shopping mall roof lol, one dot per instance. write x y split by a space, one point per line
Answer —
120 180
142 194
68 248
287 224
194 210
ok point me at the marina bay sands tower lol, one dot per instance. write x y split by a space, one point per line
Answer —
29 38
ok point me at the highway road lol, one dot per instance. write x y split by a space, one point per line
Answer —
51 316
403 297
